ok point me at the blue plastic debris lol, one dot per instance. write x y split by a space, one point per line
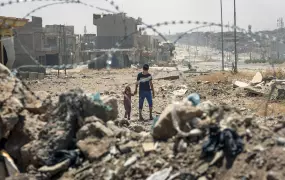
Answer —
96 97
194 98
155 119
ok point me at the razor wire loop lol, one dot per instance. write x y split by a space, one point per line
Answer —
174 22
25 1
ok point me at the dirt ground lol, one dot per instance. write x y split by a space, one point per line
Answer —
214 86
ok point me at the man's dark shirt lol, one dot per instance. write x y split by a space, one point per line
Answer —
144 86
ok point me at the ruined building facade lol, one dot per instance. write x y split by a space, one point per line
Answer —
112 28
60 44
31 37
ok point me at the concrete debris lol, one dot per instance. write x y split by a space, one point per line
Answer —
164 127
53 170
126 148
148 147
255 91
93 148
137 128
111 148
113 103
257 78
203 168
161 175
131 160
240 84
180 92
258 87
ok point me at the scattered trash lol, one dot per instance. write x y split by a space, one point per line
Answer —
226 140
62 155
194 98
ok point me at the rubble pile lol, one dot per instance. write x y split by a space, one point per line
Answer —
20 115
261 86
81 137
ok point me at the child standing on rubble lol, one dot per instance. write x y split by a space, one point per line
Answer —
128 102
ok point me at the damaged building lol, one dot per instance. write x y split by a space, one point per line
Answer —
111 30
60 44
28 43
51 45
122 33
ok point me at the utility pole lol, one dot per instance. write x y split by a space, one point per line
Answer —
222 35
64 47
235 34
59 50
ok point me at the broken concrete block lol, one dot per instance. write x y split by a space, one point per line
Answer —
87 120
255 91
25 131
240 84
96 129
131 160
148 146
104 130
53 170
113 103
257 78
116 130
137 128
203 168
94 148
161 175
125 148
164 128
8 123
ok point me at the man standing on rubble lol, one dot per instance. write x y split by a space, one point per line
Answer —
144 81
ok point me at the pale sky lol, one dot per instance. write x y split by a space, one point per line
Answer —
261 14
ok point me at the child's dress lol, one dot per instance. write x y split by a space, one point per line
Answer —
128 102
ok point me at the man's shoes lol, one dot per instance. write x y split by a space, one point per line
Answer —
150 117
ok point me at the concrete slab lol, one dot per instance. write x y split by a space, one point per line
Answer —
257 78
240 84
